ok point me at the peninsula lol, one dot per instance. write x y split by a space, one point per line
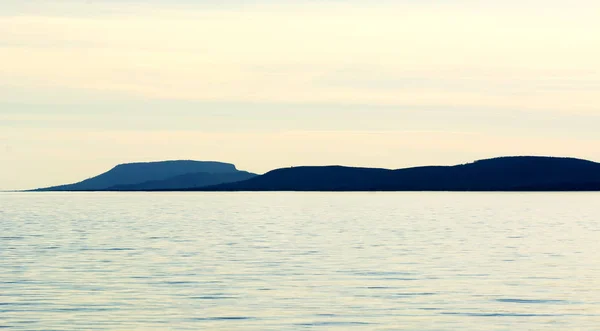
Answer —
514 173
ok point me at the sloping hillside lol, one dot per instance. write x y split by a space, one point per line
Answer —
187 181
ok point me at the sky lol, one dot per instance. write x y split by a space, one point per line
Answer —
86 85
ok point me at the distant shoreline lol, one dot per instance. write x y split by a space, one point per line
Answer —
307 191
501 174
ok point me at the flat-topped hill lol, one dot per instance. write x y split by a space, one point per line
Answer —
163 172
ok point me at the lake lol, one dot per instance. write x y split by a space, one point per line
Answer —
296 261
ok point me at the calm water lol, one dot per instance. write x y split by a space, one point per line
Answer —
286 261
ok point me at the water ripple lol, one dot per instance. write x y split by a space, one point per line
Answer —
292 261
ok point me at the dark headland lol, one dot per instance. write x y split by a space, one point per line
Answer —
515 173
525 173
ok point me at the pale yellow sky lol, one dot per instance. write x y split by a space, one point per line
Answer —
265 85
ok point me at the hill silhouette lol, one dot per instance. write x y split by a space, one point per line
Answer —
518 173
200 179
161 173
